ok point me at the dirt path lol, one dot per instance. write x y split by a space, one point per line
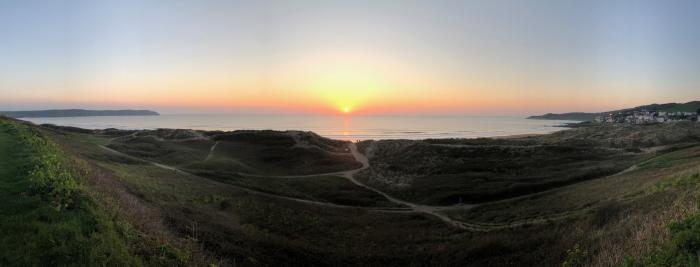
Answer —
339 173
435 210
349 175
430 210
412 207
630 169
211 151
531 221
255 192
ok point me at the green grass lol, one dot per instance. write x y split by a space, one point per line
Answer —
690 179
257 230
332 189
174 153
676 170
46 216
256 152
436 174
47 222
685 107
672 158
283 160
682 245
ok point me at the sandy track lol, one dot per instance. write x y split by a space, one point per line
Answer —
433 211
260 193
429 210
211 151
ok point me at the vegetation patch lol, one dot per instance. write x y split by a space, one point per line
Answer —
601 194
472 173
681 249
46 216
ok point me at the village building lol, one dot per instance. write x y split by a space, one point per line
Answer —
648 116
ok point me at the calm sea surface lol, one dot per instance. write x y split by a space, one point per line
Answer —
336 127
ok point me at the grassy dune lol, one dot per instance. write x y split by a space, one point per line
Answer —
263 152
253 229
451 171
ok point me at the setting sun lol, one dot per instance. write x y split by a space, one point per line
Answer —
346 109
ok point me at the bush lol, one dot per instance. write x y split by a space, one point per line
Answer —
575 257
48 217
682 249
50 179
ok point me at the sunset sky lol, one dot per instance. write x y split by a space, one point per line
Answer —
369 57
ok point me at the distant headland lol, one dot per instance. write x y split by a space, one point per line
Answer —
75 113
693 107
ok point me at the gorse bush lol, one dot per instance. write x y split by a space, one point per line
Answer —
50 179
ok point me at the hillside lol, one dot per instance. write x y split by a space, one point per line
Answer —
693 106
51 216
75 113
597 195
572 116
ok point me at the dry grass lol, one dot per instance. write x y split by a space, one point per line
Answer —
646 233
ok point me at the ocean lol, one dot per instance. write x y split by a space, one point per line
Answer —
337 127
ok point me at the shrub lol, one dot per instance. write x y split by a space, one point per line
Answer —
50 179
48 217
682 249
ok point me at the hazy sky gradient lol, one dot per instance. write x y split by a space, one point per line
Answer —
462 57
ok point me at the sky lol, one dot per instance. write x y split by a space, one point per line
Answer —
361 56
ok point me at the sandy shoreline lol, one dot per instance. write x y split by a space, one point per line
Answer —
516 136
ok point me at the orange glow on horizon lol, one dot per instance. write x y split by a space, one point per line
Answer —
294 101
333 84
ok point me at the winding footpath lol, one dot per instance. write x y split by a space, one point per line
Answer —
430 210
256 192
434 211
211 151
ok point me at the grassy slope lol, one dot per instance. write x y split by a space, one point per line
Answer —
679 245
336 190
256 230
249 229
256 152
682 107
611 217
35 233
481 170
606 219
48 216
332 189
433 174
